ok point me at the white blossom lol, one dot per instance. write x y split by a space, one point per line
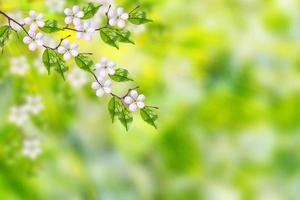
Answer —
31 148
105 67
117 17
38 64
68 50
55 5
134 100
86 30
104 86
73 15
34 104
19 65
33 40
77 78
18 115
34 20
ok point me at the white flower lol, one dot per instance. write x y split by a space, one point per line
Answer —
19 65
55 5
38 64
134 100
105 67
68 50
34 104
73 15
33 40
118 17
18 115
31 148
34 20
87 30
77 78
103 87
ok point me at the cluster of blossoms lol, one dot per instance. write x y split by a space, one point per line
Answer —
19 115
31 148
34 38
85 22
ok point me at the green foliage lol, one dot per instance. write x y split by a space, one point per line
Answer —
149 116
84 62
113 36
113 106
90 10
4 35
52 59
121 75
138 17
117 108
50 26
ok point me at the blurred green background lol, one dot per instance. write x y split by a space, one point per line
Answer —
226 76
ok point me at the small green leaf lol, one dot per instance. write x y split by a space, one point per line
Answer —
50 26
52 59
124 36
149 116
84 62
110 37
90 10
4 35
121 75
124 115
138 17
114 107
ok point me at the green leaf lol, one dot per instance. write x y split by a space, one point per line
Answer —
124 36
121 75
114 107
149 116
4 35
50 26
52 59
90 10
124 115
110 37
138 17
84 62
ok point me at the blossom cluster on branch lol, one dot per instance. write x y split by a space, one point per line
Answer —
79 21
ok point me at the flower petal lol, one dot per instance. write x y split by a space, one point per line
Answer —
68 11
40 23
33 26
95 85
76 21
67 56
61 50
32 46
100 92
140 104
128 100
40 17
27 20
75 9
133 107
107 90
121 23
120 11
74 53
113 21
68 20
124 16
141 97
80 14
134 94
27 40
32 14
